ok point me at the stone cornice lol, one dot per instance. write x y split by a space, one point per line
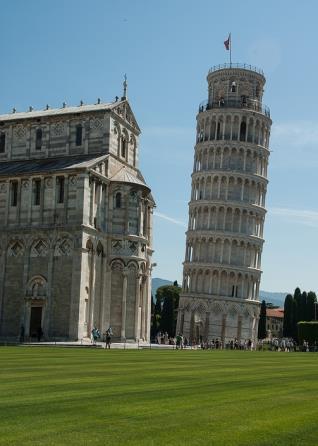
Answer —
214 233
222 267
229 173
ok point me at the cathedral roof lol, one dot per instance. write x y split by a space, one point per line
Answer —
59 111
48 164
125 176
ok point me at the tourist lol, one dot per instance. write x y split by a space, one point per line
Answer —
108 339
179 341
95 335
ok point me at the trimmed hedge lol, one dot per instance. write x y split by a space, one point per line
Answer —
308 331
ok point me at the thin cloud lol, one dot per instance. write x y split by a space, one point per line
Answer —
170 219
305 217
296 133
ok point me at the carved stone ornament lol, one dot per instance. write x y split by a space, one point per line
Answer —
48 182
39 249
58 129
96 123
3 187
117 246
133 247
64 248
25 184
73 179
16 249
20 132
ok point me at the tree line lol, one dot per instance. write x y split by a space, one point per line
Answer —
299 307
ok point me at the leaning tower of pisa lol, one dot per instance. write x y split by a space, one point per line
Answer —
222 268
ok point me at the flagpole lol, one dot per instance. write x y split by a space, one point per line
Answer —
230 50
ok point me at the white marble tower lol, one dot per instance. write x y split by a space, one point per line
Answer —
222 268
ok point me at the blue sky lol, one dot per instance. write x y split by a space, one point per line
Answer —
71 50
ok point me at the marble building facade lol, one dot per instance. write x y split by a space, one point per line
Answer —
222 268
75 224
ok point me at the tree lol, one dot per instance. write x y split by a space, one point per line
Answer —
262 333
167 319
310 307
297 298
289 313
302 307
295 315
153 329
168 297
156 317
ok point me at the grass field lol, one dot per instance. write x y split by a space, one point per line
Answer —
64 396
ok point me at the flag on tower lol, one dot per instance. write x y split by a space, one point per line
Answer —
227 43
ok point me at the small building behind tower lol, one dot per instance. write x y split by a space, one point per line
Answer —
75 224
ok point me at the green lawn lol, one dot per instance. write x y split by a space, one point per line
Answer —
66 396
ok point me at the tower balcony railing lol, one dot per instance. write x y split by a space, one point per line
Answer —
245 104
242 66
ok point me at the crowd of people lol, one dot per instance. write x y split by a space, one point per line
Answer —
283 344
288 345
214 344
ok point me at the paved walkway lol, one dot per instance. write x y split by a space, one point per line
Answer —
86 343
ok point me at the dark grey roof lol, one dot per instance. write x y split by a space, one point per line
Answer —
48 164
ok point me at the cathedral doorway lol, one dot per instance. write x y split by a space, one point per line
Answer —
198 332
35 321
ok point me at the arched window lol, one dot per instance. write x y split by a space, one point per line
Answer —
123 146
2 142
233 87
118 200
243 131
60 182
218 133
14 193
38 139
79 134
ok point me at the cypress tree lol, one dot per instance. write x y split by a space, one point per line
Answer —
262 333
168 295
310 307
289 308
294 331
297 297
167 318
302 307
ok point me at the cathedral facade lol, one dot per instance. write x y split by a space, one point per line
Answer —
222 268
75 224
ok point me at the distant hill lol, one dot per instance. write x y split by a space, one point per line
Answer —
274 298
268 296
156 283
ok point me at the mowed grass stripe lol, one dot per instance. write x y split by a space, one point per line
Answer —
54 396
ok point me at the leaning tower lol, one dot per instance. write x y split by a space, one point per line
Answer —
222 268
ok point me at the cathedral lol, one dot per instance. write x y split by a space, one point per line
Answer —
75 224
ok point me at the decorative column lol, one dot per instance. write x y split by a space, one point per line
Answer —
137 306
123 306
